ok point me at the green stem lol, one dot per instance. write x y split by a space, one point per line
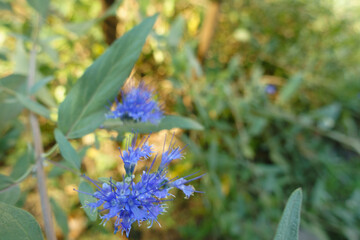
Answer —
51 151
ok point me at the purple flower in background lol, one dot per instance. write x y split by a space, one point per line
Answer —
270 89
129 201
137 104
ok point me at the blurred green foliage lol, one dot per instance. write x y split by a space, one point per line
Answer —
256 147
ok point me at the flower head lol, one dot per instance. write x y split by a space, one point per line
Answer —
137 104
129 201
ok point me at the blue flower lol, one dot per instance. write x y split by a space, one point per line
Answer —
138 105
129 201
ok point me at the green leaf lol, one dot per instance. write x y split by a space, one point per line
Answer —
83 110
33 106
168 122
60 216
17 224
67 151
290 88
9 190
84 199
41 6
40 84
289 224
9 105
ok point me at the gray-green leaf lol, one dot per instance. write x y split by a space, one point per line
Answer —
85 199
83 110
66 150
17 224
33 106
168 122
289 224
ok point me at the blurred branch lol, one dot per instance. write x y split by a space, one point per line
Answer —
38 145
208 29
109 24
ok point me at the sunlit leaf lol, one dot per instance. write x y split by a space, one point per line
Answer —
16 223
83 110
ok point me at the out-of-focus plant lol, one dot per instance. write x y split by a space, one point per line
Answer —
260 145
278 97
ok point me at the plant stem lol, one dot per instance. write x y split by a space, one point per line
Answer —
38 145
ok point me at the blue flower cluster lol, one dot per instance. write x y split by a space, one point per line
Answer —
129 201
138 105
